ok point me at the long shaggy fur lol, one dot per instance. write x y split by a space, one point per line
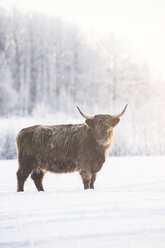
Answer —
64 148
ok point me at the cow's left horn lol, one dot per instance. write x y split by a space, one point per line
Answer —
117 116
85 116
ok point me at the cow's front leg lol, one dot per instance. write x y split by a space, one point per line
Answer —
93 178
86 177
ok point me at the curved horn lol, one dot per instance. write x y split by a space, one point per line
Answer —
115 116
85 116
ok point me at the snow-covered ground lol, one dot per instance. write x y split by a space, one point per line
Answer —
126 209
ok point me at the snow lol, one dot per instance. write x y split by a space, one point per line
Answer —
126 209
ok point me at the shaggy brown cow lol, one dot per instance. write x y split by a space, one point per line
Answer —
65 148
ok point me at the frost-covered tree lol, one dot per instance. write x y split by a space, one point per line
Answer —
48 66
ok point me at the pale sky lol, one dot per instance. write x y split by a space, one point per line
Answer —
141 22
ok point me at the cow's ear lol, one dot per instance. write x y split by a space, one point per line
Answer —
89 122
115 121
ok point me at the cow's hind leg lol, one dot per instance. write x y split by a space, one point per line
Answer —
86 177
22 174
37 176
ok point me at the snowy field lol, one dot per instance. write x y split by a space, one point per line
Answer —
126 209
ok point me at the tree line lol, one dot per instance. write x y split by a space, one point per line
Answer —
47 62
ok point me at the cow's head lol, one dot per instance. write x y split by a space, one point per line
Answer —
102 125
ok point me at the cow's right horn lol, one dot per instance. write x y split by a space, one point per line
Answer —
118 116
85 116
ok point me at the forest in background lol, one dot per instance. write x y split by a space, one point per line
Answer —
47 67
